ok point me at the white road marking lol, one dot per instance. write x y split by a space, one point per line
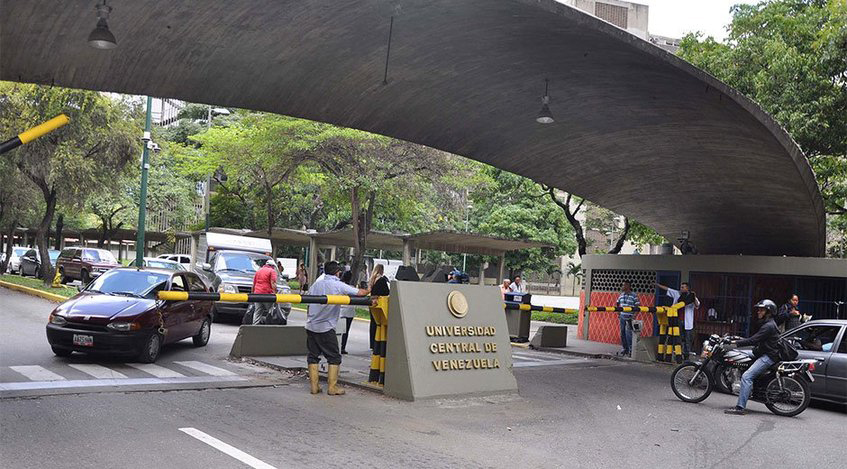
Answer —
97 371
226 449
156 370
208 369
99 383
528 358
37 373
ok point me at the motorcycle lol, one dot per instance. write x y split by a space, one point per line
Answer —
783 388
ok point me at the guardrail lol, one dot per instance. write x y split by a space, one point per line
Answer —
545 309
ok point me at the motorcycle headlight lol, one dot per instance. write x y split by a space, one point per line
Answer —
227 288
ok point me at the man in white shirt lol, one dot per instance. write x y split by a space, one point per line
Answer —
685 294
517 285
321 321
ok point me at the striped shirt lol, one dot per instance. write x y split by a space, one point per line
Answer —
628 299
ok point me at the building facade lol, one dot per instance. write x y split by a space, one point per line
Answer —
727 286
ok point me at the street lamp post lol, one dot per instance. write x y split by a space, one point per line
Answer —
207 201
467 224
145 166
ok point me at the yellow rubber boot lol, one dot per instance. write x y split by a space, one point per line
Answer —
314 379
333 389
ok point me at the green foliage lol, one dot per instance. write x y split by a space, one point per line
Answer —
39 285
790 56
514 207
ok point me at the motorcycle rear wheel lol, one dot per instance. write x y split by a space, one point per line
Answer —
685 390
792 400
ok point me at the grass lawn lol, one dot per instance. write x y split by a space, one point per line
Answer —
39 285
558 318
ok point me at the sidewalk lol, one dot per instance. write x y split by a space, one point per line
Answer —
355 366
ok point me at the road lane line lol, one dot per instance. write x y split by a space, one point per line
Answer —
208 369
226 449
101 383
37 373
156 370
97 371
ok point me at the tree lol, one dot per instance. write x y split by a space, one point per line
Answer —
369 166
75 160
790 57
258 151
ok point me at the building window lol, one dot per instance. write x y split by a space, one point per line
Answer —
612 13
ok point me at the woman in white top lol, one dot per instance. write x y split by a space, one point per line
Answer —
347 313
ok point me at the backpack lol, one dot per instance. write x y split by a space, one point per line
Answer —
787 351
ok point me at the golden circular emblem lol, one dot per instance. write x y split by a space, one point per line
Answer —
457 304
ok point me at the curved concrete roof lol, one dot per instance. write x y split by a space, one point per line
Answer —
637 130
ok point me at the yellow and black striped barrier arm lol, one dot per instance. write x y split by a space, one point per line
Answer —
266 298
545 309
33 133
627 309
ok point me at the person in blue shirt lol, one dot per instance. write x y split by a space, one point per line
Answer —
627 299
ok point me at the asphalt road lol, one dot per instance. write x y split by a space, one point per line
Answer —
569 413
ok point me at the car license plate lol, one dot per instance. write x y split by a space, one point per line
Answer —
84 340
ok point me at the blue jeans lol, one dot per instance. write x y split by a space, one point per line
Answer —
626 335
759 366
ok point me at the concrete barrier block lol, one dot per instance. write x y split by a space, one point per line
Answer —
259 341
550 336
645 350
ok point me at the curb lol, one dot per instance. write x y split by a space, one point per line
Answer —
34 292
300 369
600 356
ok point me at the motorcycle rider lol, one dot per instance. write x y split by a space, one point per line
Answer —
765 351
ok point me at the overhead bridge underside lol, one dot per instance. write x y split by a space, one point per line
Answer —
636 129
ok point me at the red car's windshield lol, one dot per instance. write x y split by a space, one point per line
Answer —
132 282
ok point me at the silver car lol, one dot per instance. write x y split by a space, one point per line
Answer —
826 341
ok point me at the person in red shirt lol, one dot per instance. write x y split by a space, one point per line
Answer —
264 282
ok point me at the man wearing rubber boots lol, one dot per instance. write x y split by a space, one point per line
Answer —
320 328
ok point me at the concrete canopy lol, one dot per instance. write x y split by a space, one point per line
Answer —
637 130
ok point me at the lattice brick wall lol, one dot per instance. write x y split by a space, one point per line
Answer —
611 280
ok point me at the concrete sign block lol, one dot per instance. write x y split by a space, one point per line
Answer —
447 340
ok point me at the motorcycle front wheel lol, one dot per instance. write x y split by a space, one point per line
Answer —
789 401
690 383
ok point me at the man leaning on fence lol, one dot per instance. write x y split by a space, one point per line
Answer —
627 299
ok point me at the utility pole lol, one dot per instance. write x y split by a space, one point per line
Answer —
145 166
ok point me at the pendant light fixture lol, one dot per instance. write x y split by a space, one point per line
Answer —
101 37
544 115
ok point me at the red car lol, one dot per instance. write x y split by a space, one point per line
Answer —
84 264
118 314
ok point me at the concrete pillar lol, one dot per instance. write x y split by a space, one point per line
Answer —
120 250
501 268
332 251
418 255
407 252
482 266
195 241
313 260
26 238
586 315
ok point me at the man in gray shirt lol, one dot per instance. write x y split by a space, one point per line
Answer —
320 328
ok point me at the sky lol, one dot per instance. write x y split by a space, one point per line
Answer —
676 18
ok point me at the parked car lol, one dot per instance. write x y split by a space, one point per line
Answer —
118 314
14 265
84 264
31 261
232 272
160 263
183 259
